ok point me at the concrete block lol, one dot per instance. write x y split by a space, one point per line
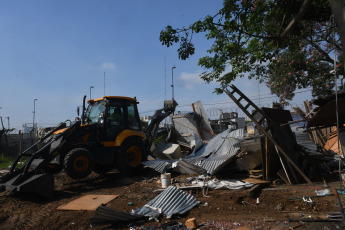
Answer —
167 151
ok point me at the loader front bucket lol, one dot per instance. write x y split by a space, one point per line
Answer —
30 177
41 184
170 105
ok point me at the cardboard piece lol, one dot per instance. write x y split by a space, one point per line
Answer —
87 202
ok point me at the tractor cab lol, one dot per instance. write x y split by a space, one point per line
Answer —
113 114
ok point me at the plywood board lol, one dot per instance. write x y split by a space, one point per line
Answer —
87 202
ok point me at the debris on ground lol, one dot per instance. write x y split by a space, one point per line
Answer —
280 168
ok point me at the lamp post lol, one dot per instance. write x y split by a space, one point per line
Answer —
91 87
172 81
33 120
104 84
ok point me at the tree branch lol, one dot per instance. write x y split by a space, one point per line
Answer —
298 17
327 57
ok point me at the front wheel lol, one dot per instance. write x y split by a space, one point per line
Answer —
79 163
132 153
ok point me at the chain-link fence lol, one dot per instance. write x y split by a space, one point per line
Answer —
13 144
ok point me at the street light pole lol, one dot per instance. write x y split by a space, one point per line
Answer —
33 120
104 83
172 82
91 87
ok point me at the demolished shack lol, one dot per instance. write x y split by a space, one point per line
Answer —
272 148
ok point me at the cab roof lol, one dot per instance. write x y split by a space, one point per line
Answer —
114 98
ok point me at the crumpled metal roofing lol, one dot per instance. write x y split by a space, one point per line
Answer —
185 167
238 134
159 165
212 157
171 201
303 139
223 150
105 215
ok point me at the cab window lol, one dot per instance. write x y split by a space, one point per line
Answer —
133 122
95 112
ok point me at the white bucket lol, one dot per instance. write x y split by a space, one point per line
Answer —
165 180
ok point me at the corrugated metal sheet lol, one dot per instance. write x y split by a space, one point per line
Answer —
206 128
105 215
220 144
171 201
215 164
212 157
185 167
238 133
226 150
159 165
185 126
303 139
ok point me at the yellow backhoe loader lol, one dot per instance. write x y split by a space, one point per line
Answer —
108 135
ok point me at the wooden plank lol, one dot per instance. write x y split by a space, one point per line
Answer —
87 202
293 122
256 181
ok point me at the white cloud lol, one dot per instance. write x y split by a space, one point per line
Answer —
108 66
190 80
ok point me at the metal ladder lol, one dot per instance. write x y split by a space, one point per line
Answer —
243 102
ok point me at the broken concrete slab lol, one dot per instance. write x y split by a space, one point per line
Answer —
167 151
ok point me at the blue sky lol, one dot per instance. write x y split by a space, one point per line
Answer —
55 50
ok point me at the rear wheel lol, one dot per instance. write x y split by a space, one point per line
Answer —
79 163
131 154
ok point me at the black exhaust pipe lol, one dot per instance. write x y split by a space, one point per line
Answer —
83 112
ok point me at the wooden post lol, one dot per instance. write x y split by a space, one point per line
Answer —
266 158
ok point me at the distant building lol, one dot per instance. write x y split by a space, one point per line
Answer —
27 127
146 118
228 121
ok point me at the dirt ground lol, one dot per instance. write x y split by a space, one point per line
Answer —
220 209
